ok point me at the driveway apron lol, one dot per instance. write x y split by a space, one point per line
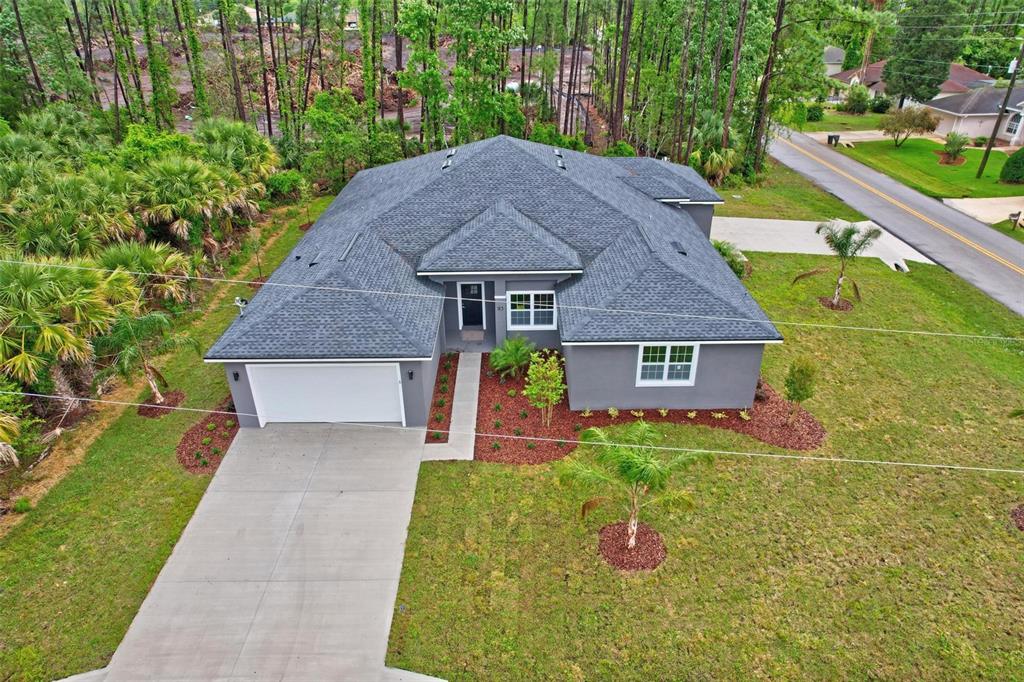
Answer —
289 568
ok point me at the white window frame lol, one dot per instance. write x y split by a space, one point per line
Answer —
1014 123
531 326
483 300
664 372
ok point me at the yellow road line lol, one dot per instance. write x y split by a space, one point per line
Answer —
952 233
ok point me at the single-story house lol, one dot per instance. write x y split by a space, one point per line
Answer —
961 79
974 114
833 58
606 259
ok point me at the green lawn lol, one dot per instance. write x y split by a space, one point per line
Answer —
74 572
1005 228
916 165
837 122
783 194
784 569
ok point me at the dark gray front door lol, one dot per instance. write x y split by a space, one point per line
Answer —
472 304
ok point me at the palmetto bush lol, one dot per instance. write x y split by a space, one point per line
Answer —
238 146
512 357
158 268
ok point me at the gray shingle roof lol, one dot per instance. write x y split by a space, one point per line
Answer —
502 204
986 100
500 238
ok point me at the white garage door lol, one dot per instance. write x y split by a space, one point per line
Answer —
327 393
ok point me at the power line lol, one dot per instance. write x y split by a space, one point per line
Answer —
627 311
545 439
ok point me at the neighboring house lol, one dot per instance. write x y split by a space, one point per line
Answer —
606 259
833 58
961 79
974 114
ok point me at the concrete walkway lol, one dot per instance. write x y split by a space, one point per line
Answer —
462 436
289 568
994 210
799 236
971 249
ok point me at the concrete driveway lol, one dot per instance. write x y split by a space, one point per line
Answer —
984 257
289 568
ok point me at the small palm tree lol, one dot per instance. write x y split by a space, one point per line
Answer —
846 241
134 339
9 430
164 268
629 464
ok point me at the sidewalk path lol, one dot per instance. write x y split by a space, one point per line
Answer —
994 210
972 250
799 236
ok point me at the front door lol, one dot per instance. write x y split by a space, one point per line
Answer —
471 295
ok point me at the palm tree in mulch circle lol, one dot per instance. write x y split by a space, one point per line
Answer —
629 465
846 241
133 340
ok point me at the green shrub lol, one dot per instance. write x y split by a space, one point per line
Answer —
286 185
512 356
1013 169
980 141
800 382
815 113
207 440
858 99
955 145
732 257
880 104
620 148
22 506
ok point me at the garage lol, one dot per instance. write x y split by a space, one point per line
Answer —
351 392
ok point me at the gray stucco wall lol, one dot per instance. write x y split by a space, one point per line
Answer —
241 394
702 215
600 377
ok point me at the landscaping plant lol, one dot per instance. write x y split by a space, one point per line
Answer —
9 430
858 99
800 384
902 123
955 145
846 241
732 257
512 356
545 384
629 466
1013 169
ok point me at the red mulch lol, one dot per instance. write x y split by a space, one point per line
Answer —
769 423
844 304
1017 514
258 282
447 368
199 457
306 226
646 556
945 160
150 409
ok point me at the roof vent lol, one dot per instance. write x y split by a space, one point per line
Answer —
446 164
451 153
298 257
561 164
558 152
679 248
352 242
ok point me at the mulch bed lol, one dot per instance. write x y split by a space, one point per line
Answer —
844 304
507 427
945 159
154 411
305 226
1017 514
648 553
441 402
257 283
202 448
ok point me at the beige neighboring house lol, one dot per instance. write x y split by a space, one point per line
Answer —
974 114
961 79
833 58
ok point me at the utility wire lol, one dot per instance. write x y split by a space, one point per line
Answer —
625 311
544 439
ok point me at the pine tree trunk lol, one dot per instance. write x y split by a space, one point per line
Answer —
716 65
759 136
28 52
269 128
572 71
561 62
696 83
400 96
229 52
730 98
620 88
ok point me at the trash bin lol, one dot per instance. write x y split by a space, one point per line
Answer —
833 140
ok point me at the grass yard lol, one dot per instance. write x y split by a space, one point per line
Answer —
838 122
783 569
1006 228
74 572
783 194
916 165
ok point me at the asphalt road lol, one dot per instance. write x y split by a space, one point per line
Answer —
970 249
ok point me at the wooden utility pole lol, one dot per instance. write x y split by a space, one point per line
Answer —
1002 112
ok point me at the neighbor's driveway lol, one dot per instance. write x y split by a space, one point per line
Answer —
289 568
